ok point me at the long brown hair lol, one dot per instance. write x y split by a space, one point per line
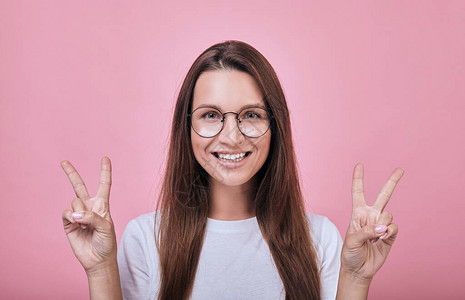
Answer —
279 207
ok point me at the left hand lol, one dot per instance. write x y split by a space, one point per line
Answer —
365 249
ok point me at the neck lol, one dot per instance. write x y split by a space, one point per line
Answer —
230 203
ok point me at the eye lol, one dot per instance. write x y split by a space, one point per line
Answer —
211 115
252 115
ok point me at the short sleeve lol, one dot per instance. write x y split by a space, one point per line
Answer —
132 263
331 263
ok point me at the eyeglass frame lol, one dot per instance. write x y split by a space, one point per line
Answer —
223 117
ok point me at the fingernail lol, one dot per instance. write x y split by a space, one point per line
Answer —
380 228
77 215
383 236
83 226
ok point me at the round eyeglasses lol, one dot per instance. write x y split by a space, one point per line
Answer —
208 121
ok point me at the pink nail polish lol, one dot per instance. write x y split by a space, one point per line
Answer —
76 215
380 228
383 236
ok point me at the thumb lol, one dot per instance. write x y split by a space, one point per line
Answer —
368 232
90 218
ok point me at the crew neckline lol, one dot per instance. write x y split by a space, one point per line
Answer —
235 226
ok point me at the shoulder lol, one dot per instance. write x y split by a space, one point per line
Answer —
143 220
137 258
138 240
328 243
320 225
141 227
324 233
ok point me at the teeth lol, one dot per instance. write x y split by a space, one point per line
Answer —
232 157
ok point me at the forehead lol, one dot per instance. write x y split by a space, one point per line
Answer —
229 90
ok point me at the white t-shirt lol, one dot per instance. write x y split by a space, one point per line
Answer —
235 261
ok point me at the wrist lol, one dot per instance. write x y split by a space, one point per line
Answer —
351 277
103 269
104 281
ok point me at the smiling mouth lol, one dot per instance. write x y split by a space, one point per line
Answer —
231 158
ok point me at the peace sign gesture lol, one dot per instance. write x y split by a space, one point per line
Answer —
88 225
371 232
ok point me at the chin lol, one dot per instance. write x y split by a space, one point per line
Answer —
230 180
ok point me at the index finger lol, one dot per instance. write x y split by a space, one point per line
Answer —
105 179
78 185
388 188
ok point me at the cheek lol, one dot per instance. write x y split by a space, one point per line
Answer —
199 146
195 144
264 145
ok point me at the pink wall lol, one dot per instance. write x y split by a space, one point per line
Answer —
380 82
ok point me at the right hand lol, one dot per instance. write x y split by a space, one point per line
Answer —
92 237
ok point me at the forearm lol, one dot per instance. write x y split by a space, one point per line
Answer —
351 288
104 283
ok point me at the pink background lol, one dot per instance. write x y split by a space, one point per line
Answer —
377 82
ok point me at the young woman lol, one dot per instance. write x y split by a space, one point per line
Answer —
230 223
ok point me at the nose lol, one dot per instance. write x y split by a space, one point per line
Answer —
230 133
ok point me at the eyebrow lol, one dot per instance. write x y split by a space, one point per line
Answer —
241 108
